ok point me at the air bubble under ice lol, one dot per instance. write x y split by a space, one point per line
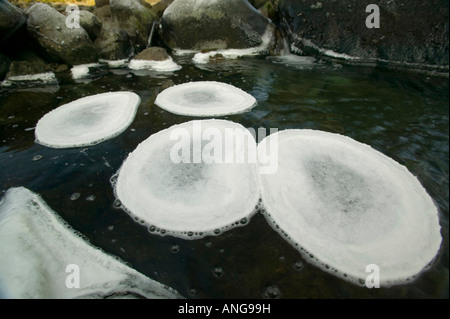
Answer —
205 98
37 247
87 121
350 206
187 199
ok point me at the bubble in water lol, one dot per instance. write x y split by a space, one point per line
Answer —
75 196
298 265
117 204
90 198
271 292
37 157
218 272
175 248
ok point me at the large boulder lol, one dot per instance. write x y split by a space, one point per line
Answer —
135 18
214 24
410 31
11 19
101 3
90 23
48 27
18 68
113 43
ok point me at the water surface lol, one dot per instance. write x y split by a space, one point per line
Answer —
403 115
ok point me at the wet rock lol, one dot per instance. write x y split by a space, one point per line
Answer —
4 66
200 25
113 43
48 27
269 10
153 54
11 19
91 23
27 68
28 63
101 3
103 12
410 31
135 18
258 3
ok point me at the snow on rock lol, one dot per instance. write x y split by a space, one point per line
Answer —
160 66
47 78
81 71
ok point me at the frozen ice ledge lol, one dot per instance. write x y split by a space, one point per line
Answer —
37 246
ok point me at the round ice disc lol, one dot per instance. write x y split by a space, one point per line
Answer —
205 98
348 207
87 121
189 180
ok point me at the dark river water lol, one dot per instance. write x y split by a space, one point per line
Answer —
401 114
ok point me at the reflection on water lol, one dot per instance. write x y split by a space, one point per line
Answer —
405 116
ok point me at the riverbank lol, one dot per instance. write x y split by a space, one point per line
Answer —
37 38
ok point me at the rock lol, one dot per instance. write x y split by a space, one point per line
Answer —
103 12
214 24
159 7
113 43
48 27
26 68
29 64
101 3
135 18
91 23
4 66
11 19
269 10
258 3
58 68
153 54
410 31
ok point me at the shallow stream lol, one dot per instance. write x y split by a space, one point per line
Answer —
401 114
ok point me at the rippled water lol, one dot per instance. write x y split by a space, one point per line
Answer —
403 115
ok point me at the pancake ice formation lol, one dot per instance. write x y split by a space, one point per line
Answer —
205 98
346 206
87 121
39 253
178 181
